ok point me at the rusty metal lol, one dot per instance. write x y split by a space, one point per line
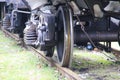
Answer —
65 71
10 34
115 52
69 74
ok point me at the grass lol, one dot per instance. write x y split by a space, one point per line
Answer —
90 59
96 65
16 63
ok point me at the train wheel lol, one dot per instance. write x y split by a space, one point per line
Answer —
64 36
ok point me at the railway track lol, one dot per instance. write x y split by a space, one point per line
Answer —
114 51
69 74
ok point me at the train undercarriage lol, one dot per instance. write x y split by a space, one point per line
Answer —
61 24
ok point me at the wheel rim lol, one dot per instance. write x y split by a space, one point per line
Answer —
64 36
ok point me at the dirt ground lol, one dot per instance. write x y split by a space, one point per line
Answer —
95 65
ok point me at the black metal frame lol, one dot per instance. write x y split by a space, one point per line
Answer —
86 25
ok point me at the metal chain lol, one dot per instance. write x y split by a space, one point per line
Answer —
83 29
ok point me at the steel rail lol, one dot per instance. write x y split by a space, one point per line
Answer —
69 74
10 34
114 51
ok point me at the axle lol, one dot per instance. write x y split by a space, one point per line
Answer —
101 36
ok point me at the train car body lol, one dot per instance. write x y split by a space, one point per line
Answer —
61 24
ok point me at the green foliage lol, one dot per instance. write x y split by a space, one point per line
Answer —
96 65
16 63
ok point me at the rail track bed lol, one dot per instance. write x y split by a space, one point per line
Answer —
95 67
69 74
84 68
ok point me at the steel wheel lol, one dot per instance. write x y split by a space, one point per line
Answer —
64 36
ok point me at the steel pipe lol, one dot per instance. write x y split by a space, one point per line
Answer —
19 11
96 36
